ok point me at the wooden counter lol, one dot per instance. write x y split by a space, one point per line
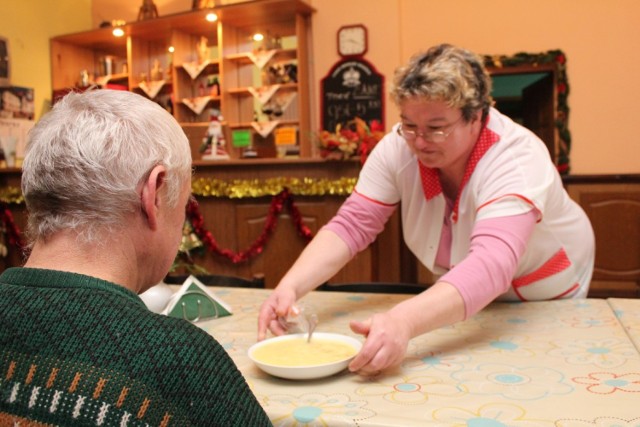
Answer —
612 203
236 223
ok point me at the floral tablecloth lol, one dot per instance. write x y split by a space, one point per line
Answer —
628 313
568 363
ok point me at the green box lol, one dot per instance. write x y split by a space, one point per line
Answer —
241 138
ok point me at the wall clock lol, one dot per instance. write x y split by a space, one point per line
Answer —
352 40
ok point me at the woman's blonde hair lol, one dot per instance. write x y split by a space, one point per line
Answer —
446 73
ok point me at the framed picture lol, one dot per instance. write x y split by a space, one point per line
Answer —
4 62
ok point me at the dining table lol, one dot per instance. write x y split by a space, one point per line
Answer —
560 363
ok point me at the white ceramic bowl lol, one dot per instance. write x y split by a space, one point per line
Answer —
309 371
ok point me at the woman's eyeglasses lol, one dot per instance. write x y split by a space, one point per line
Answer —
437 136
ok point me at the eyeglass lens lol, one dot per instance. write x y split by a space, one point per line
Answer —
436 136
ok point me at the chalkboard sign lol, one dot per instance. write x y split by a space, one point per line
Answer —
353 88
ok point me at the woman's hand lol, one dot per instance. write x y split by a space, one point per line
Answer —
387 338
277 305
388 334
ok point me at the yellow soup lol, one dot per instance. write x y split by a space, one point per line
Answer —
299 352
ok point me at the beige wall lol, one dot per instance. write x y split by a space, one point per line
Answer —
600 39
28 24
108 10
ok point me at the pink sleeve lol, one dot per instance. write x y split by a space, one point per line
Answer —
487 271
359 220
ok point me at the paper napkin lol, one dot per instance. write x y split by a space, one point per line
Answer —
195 302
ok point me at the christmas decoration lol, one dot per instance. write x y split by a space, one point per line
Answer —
10 234
279 202
213 144
189 245
239 189
353 139
558 58
196 238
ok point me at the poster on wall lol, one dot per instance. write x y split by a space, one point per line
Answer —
352 88
13 139
4 62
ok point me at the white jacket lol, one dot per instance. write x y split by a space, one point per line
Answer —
510 171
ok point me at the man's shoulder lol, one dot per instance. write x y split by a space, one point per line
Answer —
158 329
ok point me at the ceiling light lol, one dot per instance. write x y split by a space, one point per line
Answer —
117 25
258 37
211 17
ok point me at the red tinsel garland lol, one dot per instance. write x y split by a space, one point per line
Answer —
13 232
278 203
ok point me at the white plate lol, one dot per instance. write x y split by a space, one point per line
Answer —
310 371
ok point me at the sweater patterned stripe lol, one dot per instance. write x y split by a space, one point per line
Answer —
103 413
79 351
78 407
52 377
68 403
55 401
34 397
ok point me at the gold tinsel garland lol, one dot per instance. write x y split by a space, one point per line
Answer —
241 189
11 195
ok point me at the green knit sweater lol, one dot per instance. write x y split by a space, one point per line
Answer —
75 350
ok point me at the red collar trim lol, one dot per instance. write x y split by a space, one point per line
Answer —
431 179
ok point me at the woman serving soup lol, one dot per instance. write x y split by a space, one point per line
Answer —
482 207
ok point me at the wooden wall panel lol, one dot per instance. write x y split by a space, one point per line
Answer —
614 211
237 223
285 244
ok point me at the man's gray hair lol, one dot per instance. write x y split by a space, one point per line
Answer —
86 159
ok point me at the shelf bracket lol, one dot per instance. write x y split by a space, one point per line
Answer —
194 68
197 104
265 128
261 57
151 89
263 94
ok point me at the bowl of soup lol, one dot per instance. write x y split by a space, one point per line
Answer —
292 357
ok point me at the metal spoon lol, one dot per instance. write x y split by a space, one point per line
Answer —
313 322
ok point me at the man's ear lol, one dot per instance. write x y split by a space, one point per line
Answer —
150 194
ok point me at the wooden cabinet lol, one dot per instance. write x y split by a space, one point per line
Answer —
612 204
193 67
236 223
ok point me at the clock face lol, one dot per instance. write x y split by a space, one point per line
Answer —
352 40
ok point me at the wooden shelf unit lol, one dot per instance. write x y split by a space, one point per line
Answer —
145 48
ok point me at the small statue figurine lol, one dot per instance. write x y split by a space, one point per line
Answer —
156 71
203 49
213 144
148 10
214 83
204 4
